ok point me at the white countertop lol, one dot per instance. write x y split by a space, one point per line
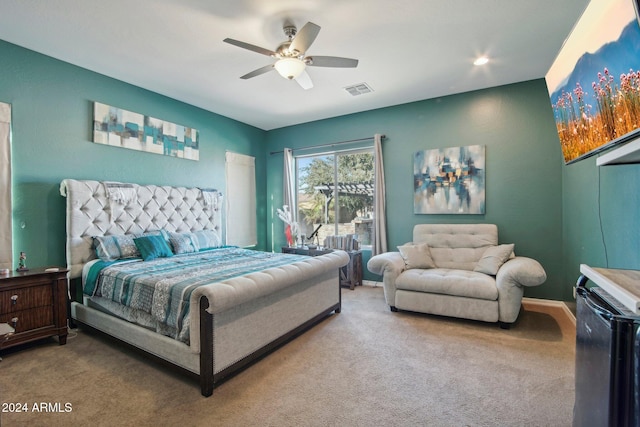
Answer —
623 285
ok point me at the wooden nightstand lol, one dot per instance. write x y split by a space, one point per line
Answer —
34 303
351 274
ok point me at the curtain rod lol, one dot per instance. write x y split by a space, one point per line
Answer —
329 145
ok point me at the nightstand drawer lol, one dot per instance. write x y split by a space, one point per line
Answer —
25 298
29 319
34 302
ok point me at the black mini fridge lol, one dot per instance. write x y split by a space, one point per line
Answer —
607 359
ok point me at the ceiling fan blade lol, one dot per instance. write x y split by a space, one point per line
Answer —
304 38
331 61
250 47
304 81
257 72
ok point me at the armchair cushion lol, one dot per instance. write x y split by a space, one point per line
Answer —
416 256
493 258
445 281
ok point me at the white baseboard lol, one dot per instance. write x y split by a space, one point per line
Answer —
372 283
556 305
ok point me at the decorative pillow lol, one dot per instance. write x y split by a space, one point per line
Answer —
207 239
163 233
111 248
183 243
493 258
152 247
121 246
417 256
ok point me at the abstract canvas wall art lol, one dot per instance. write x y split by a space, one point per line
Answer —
449 180
121 128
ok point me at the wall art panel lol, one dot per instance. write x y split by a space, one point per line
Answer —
449 180
121 128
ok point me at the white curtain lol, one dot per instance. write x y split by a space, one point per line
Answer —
241 200
379 216
289 190
6 260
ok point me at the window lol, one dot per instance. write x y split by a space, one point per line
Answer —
241 200
335 190
5 186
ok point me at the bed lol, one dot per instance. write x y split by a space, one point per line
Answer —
237 304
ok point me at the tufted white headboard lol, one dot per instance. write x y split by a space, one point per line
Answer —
97 208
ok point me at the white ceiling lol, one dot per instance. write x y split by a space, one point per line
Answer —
408 50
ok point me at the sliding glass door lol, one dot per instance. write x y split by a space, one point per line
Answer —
335 194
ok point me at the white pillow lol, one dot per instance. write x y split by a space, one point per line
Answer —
493 258
416 256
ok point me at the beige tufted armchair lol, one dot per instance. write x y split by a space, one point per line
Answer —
457 270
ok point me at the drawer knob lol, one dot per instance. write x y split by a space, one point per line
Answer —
14 299
14 322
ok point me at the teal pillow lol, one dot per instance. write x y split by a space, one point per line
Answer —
152 247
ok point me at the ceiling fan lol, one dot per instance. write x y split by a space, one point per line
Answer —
291 60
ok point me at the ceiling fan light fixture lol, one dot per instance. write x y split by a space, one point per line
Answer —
289 68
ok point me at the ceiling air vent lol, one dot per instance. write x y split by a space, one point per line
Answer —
358 89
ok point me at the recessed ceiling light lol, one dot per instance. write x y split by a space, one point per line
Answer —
481 60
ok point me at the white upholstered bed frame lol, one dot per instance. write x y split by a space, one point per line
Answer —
233 322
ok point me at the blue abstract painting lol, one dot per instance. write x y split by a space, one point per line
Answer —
449 180
121 128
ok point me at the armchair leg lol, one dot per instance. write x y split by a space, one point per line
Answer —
504 325
393 309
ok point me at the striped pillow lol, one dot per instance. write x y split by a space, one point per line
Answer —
207 239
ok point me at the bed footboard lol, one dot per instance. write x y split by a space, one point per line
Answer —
236 338
232 339
206 349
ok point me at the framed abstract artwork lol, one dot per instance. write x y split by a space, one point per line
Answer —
121 128
449 180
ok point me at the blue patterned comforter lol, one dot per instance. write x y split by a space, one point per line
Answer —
162 287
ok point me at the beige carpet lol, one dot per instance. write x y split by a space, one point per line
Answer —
365 366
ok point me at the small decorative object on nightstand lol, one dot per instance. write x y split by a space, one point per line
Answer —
291 228
34 303
22 262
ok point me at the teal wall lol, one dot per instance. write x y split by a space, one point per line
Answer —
560 215
523 165
52 111
601 214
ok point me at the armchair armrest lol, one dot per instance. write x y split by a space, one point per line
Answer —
390 262
511 279
389 265
521 271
